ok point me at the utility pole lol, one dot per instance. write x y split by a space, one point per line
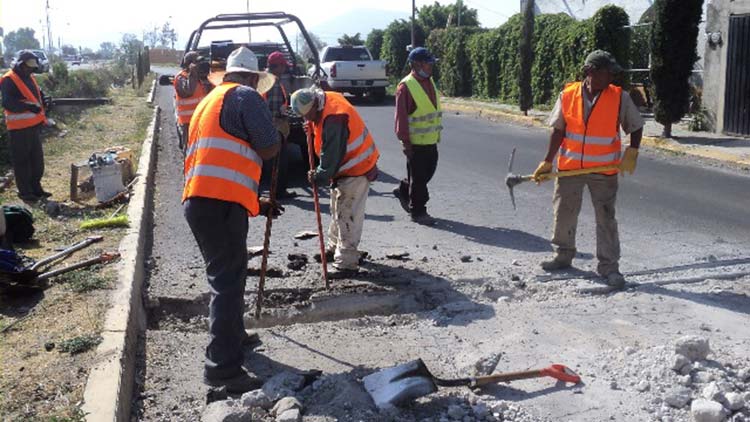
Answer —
413 11
249 34
50 40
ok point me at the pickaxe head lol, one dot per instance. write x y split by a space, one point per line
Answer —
511 180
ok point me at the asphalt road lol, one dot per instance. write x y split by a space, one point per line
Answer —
673 212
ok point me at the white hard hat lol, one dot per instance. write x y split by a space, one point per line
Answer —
244 60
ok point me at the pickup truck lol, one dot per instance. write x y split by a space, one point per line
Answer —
351 69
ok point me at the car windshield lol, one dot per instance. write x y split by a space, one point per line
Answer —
40 54
344 54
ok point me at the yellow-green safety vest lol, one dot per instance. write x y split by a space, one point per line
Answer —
425 123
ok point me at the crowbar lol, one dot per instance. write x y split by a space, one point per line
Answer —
267 236
316 200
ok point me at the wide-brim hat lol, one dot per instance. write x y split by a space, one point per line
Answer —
265 81
243 60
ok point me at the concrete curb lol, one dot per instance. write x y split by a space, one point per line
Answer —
153 92
109 387
649 141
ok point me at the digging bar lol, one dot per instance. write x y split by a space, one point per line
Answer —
267 237
316 200
403 383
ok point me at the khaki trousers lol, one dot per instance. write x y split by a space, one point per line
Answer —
348 200
567 205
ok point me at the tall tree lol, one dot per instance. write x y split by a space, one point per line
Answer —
374 43
526 55
351 40
107 50
129 48
395 39
673 55
318 44
167 36
69 50
434 16
20 39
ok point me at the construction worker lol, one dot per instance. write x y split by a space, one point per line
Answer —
586 124
277 98
24 105
190 86
231 133
418 126
348 161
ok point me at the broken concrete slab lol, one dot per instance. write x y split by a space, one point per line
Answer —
283 384
257 398
707 411
305 234
694 348
225 411
287 403
291 415
678 397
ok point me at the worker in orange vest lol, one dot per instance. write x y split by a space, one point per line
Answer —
586 122
190 86
231 133
348 161
24 106
278 102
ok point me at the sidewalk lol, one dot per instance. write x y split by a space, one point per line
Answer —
707 145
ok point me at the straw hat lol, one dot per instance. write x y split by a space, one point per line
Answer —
244 60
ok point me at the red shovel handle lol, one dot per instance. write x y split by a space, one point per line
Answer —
562 373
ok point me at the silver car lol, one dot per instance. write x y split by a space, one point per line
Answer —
41 58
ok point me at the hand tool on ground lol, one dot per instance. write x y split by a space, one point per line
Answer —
316 201
101 259
267 237
403 383
513 180
34 271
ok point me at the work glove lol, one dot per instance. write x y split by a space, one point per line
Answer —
267 205
544 167
629 160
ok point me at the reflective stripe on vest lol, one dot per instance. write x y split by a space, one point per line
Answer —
361 153
185 107
217 164
425 123
595 142
24 119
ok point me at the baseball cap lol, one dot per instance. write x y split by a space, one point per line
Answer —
277 58
601 59
421 54
303 99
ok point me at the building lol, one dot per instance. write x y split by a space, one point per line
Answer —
726 86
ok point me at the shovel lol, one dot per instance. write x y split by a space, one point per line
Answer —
403 383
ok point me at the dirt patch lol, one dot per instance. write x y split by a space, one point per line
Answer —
39 381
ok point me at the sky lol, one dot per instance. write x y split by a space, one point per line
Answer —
88 23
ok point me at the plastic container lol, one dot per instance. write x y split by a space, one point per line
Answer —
107 180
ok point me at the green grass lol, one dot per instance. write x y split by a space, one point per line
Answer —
86 280
79 344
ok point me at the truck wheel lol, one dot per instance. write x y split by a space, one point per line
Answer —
378 95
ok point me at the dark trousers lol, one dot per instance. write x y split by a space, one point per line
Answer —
419 169
220 228
27 157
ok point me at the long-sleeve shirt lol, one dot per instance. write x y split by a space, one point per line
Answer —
246 116
185 87
405 105
12 96
335 135
275 98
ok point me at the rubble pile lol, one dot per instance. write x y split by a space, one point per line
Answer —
681 382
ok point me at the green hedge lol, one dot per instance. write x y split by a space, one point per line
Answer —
487 63
395 39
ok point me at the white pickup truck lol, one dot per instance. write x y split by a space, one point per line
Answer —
351 69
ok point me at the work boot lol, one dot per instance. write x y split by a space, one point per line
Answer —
555 265
423 219
251 340
403 200
615 279
238 384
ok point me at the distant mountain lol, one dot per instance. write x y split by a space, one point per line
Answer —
356 20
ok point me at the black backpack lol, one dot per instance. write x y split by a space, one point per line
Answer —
19 223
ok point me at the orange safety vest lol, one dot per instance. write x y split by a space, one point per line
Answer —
596 142
24 119
361 152
186 106
283 92
217 164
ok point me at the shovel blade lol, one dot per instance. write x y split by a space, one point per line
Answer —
399 385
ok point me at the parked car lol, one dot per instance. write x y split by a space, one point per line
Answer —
43 61
352 69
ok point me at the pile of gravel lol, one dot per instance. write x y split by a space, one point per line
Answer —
680 382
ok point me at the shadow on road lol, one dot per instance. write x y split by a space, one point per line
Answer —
495 236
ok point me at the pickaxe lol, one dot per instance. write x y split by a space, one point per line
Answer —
512 180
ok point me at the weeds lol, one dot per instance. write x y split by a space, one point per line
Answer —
79 344
83 281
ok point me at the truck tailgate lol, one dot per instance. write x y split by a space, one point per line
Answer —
366 70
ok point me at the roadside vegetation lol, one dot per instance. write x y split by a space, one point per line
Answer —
48 337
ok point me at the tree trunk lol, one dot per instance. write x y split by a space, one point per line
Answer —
667 133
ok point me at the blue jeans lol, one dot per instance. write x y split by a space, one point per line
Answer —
220 227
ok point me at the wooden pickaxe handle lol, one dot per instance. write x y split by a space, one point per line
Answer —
577 172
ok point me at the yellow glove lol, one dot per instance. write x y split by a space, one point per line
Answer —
544 167
629 160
